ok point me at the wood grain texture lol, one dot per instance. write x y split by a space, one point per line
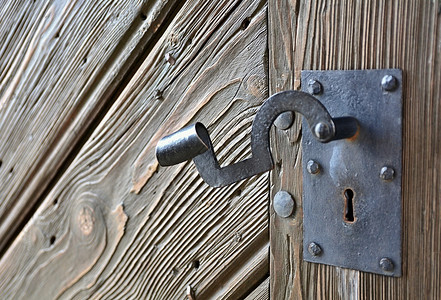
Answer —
261 292
362 35
92 237
61 63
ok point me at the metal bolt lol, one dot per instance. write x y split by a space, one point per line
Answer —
314 87
283 204
322 131
284 120
314 249
386 264
170 59
387 173
158 94
389 83
313 167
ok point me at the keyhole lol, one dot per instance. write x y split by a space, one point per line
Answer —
349 206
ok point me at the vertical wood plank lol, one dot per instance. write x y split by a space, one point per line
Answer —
362 35
285 233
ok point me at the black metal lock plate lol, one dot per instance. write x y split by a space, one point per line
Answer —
352 188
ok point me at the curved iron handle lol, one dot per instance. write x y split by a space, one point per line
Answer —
193 142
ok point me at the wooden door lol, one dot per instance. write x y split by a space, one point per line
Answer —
87 89
346 35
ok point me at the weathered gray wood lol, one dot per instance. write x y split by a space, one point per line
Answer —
252 265
92 237
61 62
261 292
362 35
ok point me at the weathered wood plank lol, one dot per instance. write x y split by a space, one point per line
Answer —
362 35
285 234
92 237
61 63
261 292
250 267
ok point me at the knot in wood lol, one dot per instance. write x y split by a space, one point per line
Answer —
86 220
256 85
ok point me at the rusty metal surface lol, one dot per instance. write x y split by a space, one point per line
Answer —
364 234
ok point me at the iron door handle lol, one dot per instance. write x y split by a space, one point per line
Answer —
193 141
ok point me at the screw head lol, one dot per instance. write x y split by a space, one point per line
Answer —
158 94
313 167
314 249
314 87
322 131
389 83
387 173
386 264
170 59
284 120
283 204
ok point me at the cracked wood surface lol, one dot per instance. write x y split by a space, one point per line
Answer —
328 35
61 63
93 237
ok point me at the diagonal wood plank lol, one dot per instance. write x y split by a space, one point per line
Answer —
92 237
331 35
61 63
261 292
